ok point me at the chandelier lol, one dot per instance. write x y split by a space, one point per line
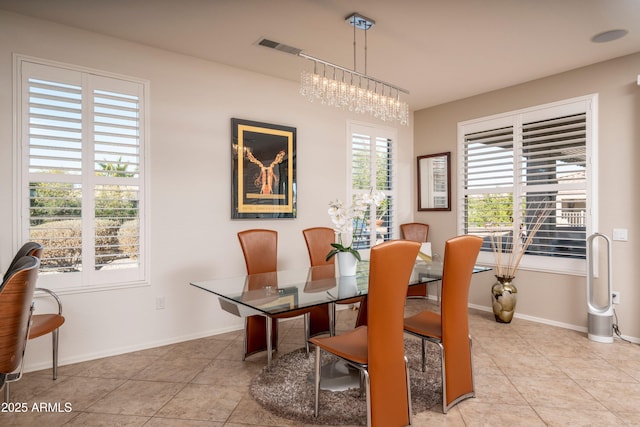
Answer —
338 86
331 84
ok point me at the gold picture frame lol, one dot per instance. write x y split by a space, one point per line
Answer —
263 168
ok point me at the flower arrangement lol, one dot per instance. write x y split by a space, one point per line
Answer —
508 252
343 219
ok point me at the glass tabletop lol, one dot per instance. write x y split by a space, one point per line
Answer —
288 290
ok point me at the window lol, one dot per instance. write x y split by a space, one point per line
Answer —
372 159
82 180
519 165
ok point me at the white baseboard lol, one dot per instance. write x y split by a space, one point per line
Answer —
550 322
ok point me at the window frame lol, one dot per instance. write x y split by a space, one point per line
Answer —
88 279
588 105
375 131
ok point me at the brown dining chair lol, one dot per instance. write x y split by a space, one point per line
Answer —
16 309
43 323
377 349
449 329
319 240
260 250
417 232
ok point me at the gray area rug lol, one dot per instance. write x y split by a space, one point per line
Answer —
287 392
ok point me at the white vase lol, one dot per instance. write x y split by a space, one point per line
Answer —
347 264
347 286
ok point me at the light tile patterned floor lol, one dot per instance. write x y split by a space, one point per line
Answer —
526 374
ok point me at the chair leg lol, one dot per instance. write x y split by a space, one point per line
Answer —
367 386
406 366
473 378
444 380
269 326
244 340
54 338
424 355
317 381
307 331
257 330
6 392
332 319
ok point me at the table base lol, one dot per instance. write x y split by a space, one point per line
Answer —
337 376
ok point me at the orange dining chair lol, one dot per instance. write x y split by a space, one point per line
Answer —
260 250
16 309
449 329
319 240
377 349
417 232
43 323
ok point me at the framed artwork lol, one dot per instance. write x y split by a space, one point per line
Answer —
263 169
434 182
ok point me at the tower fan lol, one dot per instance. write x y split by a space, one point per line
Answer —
599 299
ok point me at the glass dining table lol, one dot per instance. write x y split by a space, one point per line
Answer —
279 292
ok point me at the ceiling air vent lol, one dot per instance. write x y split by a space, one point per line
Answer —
280 46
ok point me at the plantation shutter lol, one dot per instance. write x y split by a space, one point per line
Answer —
489 181
117 175
372 163
523 166
553 175
385 152
81 137
54 130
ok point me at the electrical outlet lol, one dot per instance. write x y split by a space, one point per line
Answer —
620 234
159 303
615 297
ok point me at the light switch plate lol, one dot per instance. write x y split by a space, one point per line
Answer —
620 234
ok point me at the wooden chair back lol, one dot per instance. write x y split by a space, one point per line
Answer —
30 248
16 297
416 231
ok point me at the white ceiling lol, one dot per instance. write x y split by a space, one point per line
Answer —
439 50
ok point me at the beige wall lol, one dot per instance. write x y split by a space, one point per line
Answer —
554 298
192 236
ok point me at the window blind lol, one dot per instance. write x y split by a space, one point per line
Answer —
530 166
81 139
372 164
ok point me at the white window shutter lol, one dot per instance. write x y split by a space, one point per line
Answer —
525 164
82 139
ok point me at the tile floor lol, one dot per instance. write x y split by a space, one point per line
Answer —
526 374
